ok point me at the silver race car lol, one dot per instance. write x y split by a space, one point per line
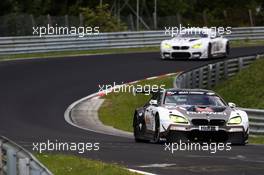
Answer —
190 115
195 44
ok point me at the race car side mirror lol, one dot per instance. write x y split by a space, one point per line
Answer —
153 102
232 105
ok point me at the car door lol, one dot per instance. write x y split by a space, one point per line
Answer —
150 112
217 44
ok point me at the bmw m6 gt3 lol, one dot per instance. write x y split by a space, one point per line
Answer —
190 115
195 44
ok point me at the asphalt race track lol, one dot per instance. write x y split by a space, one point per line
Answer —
34 95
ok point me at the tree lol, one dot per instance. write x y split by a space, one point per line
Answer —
101 16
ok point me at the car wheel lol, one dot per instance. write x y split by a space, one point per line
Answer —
239 139
209 51
139 128
245 138
243 141
162 57
156 137
227 49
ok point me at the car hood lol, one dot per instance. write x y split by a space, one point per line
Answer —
200 112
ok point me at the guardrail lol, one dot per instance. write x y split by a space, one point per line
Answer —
210 75
48 43
15 160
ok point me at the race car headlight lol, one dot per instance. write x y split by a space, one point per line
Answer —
197 46
235 120
166 46
179 119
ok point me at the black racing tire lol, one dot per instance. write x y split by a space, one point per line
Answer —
209 51
138 133
242 141
162 57
227 50
156 137
245 138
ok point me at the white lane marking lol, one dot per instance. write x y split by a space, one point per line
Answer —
141 172
157 165
151 78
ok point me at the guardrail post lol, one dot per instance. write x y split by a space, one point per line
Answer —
225 69
23 166
182 81
186 80
209 76
34 172
240 64
1 159
35 169
11 162
217 73
193 79
201 77
188 85
179 81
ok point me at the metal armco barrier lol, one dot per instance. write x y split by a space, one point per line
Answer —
48 43
209 75
14 160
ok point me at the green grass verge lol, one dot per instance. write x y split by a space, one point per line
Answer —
118 108
242 43
60 164
246 43
77 53
256 140
246 89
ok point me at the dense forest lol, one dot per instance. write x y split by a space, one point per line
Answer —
18 16
164 7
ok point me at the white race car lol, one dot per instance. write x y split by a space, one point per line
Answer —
190 115
195 44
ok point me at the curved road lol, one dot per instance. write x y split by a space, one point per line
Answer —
34 95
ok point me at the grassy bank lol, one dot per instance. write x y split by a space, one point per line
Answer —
60 164
246 43
256 140
76 53
246 89
118 108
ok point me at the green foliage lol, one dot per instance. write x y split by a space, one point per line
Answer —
60 164
191 11
101 16
246 89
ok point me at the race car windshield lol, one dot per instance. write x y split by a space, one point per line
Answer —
193 100
193 35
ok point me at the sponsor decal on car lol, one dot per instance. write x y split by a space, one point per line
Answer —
206 112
